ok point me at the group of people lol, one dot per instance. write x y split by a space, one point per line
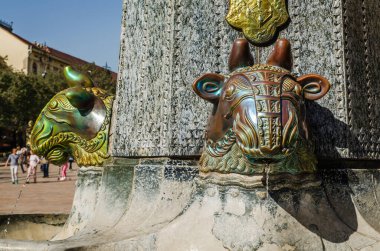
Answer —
26 159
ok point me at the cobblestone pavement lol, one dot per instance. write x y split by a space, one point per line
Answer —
47 196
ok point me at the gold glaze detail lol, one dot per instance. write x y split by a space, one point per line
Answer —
289 151
61 130
257 19
258 126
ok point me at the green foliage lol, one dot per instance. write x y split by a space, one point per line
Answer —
3 64
23 97
101 77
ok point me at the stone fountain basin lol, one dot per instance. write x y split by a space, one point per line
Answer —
162 204
32 226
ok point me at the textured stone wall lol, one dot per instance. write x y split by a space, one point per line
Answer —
362 66
166 44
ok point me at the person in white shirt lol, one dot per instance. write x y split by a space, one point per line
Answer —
32 169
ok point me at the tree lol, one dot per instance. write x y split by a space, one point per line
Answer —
3 64
22 97
101 77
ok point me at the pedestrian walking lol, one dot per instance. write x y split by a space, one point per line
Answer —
45 167
13 160
71 160
63 171
25 154
21 152
32 169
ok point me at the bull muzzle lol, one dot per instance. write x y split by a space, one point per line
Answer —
267 128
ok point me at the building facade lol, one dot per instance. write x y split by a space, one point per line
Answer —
33 57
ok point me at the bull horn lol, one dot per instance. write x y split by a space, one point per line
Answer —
81 99
281 55
75 78
240 55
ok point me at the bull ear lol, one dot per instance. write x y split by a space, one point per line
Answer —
75 78
81 99
209 86
314 86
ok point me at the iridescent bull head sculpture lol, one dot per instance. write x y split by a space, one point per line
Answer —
259 118
75 122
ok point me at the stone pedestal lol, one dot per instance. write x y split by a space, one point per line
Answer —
166 44
161 204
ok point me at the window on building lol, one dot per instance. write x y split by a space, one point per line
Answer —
34 68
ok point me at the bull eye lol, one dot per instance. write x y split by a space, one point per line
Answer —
313 87
210 87
53 104
230 91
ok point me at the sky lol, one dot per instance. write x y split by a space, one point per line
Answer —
87 29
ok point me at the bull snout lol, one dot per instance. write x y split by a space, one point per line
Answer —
264 130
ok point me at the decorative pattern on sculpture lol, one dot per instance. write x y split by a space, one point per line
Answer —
67 126
265 139
259 117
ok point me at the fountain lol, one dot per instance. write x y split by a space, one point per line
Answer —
167 186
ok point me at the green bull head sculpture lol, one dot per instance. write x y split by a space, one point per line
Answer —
74 122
